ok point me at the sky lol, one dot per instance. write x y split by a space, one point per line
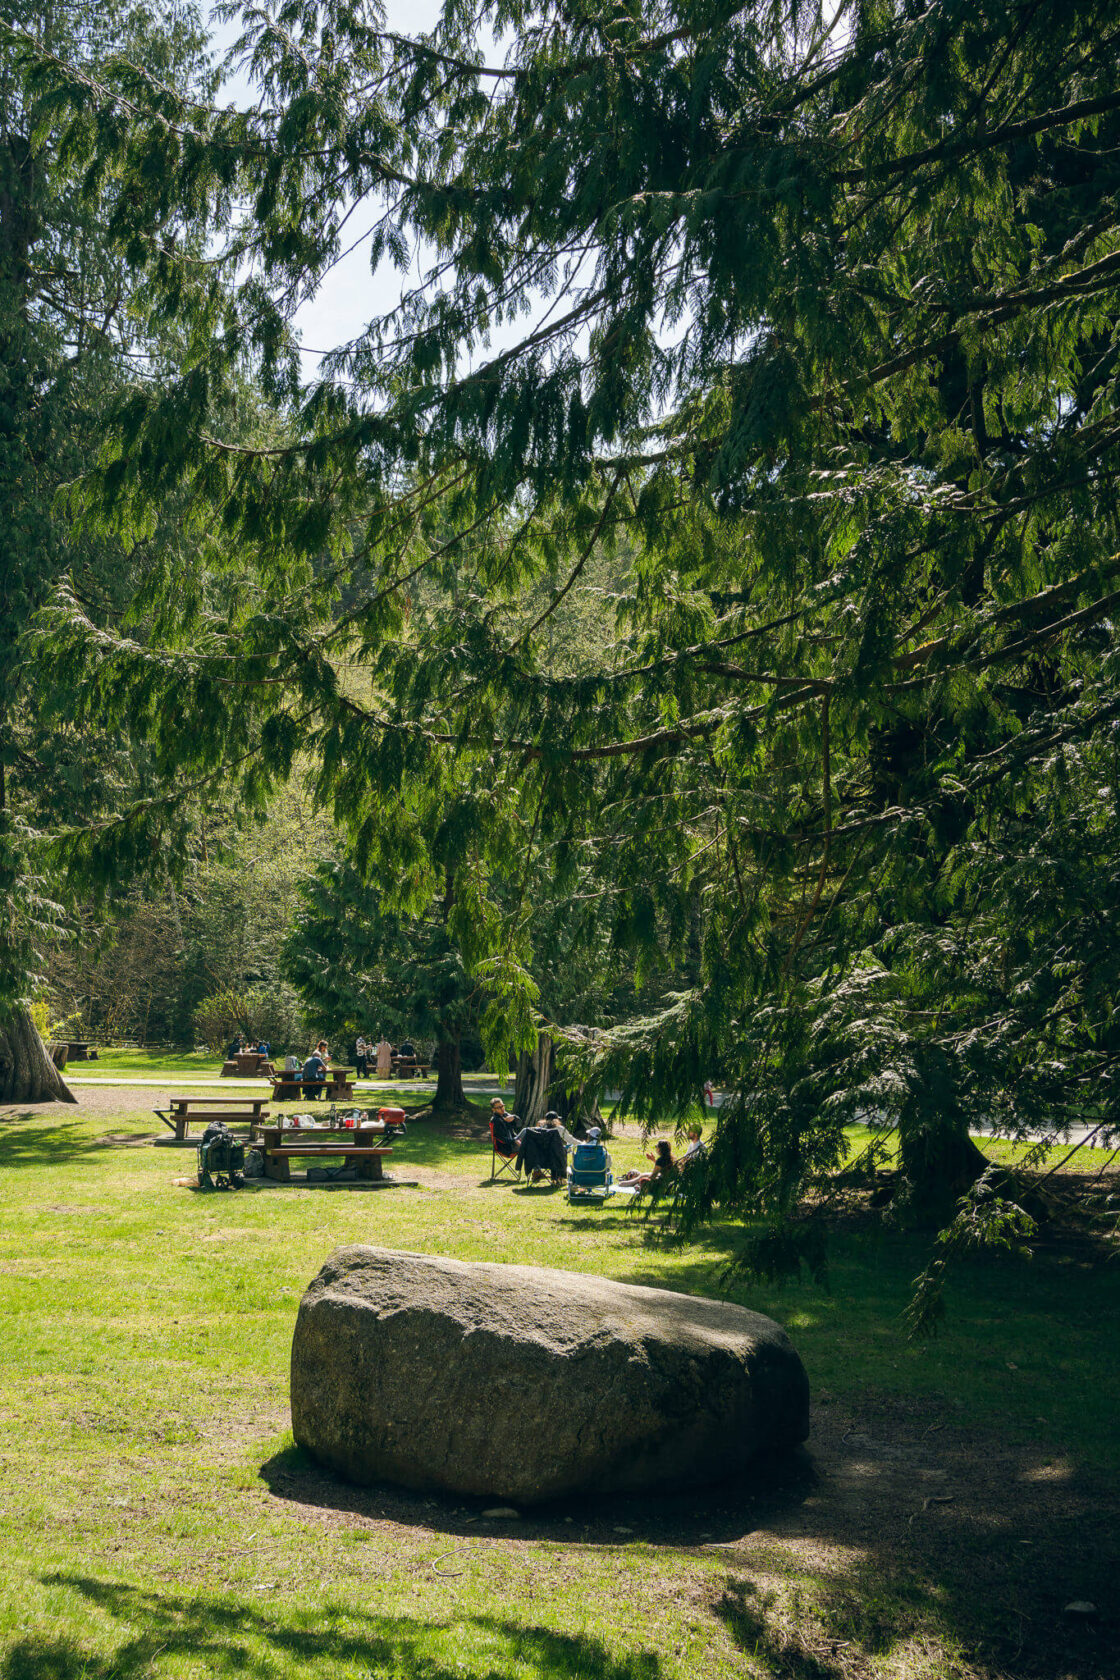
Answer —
350 295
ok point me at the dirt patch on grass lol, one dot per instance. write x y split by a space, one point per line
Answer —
93 1100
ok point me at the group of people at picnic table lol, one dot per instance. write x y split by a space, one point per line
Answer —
248 1047
315 1071
382 1055
542 1150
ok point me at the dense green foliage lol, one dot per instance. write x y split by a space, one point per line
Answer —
362 969
195 959
810 315
72 337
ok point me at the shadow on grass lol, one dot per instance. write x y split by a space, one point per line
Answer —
435 1143
28 1140
971 1607
876 1541
791 1647
226 1635
775 1485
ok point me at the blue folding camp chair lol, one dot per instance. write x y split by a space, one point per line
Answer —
589 1177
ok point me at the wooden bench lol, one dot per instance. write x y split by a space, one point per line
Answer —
410 1069
337 1087
287 1086
181 1111
367 1157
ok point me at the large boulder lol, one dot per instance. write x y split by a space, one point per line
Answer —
528 1384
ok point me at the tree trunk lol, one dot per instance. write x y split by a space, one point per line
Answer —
534 1079
27 1074
577 1110
539 1087
938 1165
449 1093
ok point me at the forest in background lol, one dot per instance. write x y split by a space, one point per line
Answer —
191 961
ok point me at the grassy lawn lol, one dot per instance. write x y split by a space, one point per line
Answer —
1007 1153
184 1065
158 1064
156 1520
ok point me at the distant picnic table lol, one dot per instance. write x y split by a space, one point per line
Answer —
247 1064
409 1067
62 1050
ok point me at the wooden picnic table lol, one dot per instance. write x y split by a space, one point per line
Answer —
408 1067
362 1144
286 1085
182 1110
337 1087
247 1064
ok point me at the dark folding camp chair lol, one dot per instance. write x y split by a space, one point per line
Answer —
503 1147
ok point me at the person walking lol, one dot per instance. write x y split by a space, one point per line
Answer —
361 1056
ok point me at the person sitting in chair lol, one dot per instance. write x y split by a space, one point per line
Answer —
315 1072
695 1146
541 1151
664 1168
504 1128
553 1119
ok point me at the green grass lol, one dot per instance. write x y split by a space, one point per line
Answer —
168 1064
144 1433
1060 1155
115 1064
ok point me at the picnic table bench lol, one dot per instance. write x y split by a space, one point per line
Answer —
181 1111
354 1143
337 1087
409 1067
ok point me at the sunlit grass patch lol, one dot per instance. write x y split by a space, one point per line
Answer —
152 1517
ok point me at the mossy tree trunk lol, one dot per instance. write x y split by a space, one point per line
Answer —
938 1165
27 1074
